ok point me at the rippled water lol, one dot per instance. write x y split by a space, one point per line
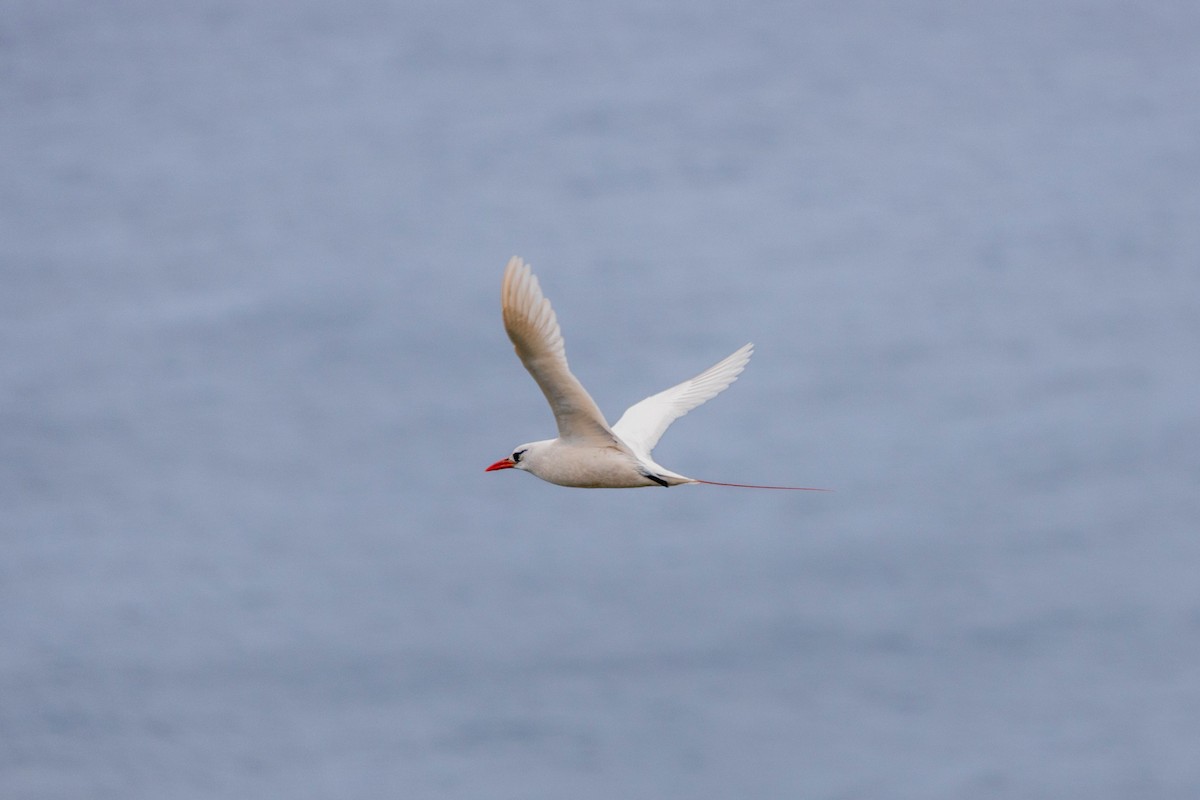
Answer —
253 368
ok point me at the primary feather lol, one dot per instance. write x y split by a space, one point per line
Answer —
644 423
533 329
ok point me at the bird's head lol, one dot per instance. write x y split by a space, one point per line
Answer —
519 458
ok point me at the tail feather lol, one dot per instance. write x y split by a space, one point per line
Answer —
756 486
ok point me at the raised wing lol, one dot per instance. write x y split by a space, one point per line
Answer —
644 423
535 335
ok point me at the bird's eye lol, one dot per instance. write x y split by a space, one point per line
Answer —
516 456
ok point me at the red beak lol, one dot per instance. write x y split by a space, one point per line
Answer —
504 463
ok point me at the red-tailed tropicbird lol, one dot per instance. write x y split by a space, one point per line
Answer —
588 453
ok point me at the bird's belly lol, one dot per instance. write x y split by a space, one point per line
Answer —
593 469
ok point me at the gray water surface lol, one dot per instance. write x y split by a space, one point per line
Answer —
253 367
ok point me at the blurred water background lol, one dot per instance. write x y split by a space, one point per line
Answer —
253 367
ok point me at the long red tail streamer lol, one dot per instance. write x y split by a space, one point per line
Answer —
755 486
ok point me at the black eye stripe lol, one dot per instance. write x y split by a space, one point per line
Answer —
516 457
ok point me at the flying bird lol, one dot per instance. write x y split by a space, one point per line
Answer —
589 453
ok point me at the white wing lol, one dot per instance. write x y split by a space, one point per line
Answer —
644 423
534 332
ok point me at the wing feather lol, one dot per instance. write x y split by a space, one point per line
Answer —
644 423
533 329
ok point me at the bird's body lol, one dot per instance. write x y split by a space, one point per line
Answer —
591 466
589 453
